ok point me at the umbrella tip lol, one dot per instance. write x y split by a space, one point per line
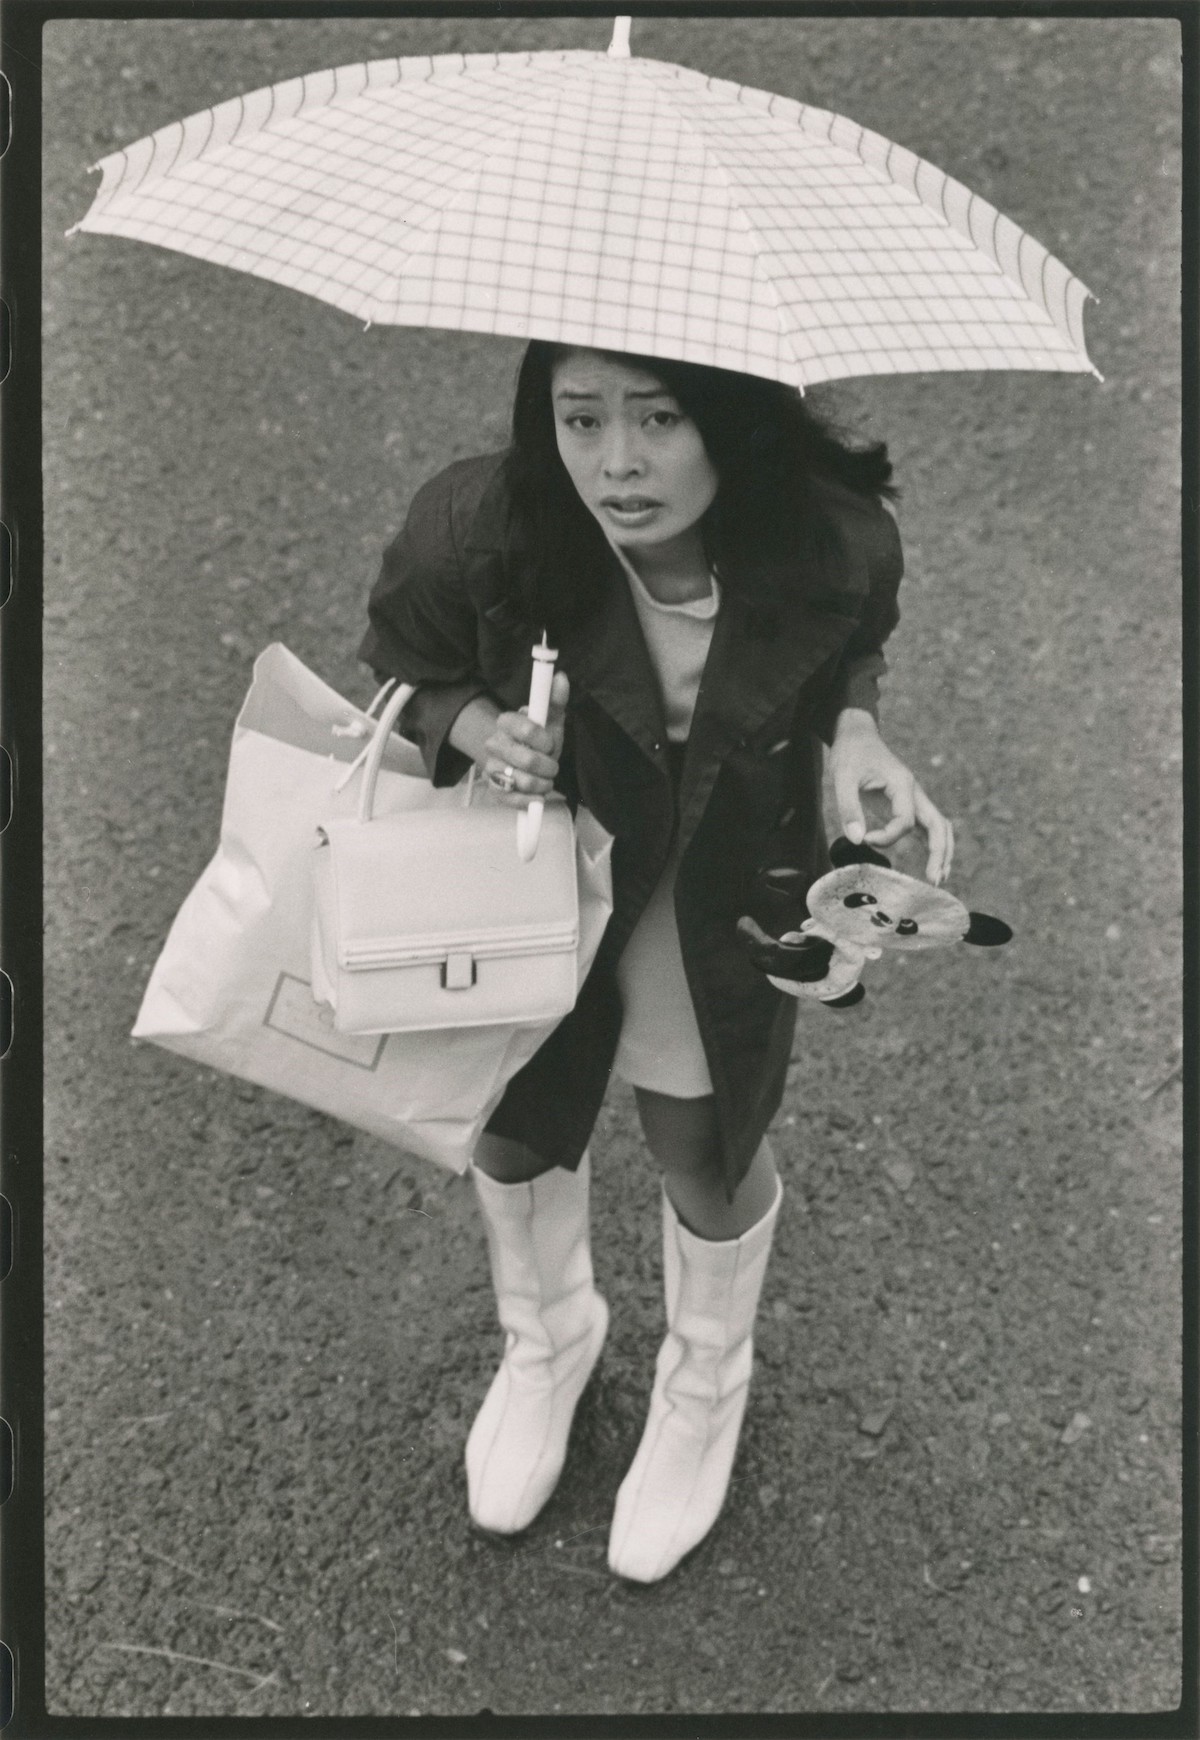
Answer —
618 48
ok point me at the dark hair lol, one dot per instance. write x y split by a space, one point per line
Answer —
770 452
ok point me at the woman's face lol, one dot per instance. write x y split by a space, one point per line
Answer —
636 459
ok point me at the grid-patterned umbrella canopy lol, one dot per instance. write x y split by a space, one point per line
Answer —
613 203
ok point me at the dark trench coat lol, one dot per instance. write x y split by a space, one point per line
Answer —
442 615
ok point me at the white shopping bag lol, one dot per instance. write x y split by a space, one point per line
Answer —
231 987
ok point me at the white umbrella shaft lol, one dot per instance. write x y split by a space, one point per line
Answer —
529 822
618 48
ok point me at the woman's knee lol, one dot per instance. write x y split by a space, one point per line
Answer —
682 1135
506 1161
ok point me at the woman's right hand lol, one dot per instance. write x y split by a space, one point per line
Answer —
531 751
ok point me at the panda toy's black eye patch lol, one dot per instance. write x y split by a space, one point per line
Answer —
861 898
907 927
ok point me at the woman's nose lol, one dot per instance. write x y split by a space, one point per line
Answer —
621 457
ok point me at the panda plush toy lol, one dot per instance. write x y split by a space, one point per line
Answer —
855 912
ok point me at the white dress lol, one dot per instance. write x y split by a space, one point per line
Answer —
660 1046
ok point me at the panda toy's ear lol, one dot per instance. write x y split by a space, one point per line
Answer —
854 995
989 933
842 853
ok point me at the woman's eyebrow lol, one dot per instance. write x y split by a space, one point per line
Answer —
633 393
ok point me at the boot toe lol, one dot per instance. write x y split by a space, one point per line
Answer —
512 1470
652 1533
494 1511
641 1561
517 1446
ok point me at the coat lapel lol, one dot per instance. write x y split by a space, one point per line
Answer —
605 656
750 675
608 659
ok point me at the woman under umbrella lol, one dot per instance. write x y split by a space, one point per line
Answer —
719 573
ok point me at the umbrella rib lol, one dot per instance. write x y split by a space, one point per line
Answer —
374 306
154 138
991 248
211 124
178 149
943 182
416 233
758 249
527 98
1021 262
837 132
880 163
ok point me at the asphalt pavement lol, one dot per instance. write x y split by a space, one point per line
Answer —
959 1481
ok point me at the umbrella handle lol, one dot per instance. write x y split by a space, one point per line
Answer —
529 820
529 829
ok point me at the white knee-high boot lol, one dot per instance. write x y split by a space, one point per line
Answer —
554 1322
677 1483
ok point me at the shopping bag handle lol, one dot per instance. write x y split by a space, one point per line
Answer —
396 704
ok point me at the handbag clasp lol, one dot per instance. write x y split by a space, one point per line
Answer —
458 972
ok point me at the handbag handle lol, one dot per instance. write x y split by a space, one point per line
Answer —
397 701
399 698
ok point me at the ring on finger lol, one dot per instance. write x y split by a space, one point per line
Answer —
505 780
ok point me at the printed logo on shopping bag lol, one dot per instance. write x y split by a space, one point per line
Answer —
293 1010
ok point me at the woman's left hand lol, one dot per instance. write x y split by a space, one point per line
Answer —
859 760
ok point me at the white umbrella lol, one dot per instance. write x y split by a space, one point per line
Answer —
606 201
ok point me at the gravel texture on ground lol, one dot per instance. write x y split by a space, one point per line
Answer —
959 1481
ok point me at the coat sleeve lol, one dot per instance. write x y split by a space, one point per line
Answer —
423 629
862 666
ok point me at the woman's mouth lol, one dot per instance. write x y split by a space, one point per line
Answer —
630 510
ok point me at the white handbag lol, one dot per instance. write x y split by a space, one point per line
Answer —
434 919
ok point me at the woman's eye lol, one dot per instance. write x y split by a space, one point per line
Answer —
860 899
907 927
664 419
583 421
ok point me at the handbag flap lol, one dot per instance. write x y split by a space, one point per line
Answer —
424 884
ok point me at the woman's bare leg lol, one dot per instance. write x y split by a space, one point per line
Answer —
682 1137
506 1161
